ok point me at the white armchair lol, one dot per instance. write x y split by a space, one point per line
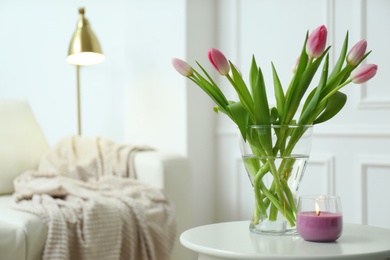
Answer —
22 144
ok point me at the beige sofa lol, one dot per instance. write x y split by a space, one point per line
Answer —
22 144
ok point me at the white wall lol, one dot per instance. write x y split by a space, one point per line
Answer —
129 96
35 36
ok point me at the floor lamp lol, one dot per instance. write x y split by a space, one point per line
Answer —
84 50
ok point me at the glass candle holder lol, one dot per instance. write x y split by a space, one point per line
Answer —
319 218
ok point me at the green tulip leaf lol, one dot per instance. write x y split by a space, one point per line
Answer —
301 86
340 60
333 106
261 107
302 64
240 116
274 115
308 110
211 90
262 112
253 74
279 94
241 89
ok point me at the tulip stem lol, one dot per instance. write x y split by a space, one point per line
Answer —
246 100
322 103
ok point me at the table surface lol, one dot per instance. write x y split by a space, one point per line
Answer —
233 240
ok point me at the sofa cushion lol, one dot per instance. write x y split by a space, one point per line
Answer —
23 235
22 142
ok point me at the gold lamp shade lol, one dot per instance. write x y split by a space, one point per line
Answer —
84 48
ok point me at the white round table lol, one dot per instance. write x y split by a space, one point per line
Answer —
233 240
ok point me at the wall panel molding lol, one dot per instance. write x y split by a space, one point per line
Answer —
366 101
329 10
354 131
327 162
363 164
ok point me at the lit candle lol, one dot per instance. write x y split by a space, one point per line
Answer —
318 225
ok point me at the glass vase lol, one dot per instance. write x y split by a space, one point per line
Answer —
275 158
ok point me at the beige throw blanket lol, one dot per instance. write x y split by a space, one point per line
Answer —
85 191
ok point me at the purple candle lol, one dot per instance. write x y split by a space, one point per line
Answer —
319 227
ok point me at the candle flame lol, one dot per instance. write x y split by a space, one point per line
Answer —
318 211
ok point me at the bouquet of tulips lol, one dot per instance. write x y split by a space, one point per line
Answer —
322 103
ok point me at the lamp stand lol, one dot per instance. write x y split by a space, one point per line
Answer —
78 100
84 49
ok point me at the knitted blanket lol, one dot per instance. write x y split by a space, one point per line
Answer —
86 192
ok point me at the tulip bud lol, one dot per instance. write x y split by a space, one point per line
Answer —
182 67
356 53
219 61
363 73
316 42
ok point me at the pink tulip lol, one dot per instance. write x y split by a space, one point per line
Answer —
356 53
219 61
363 73
182 67
316 42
